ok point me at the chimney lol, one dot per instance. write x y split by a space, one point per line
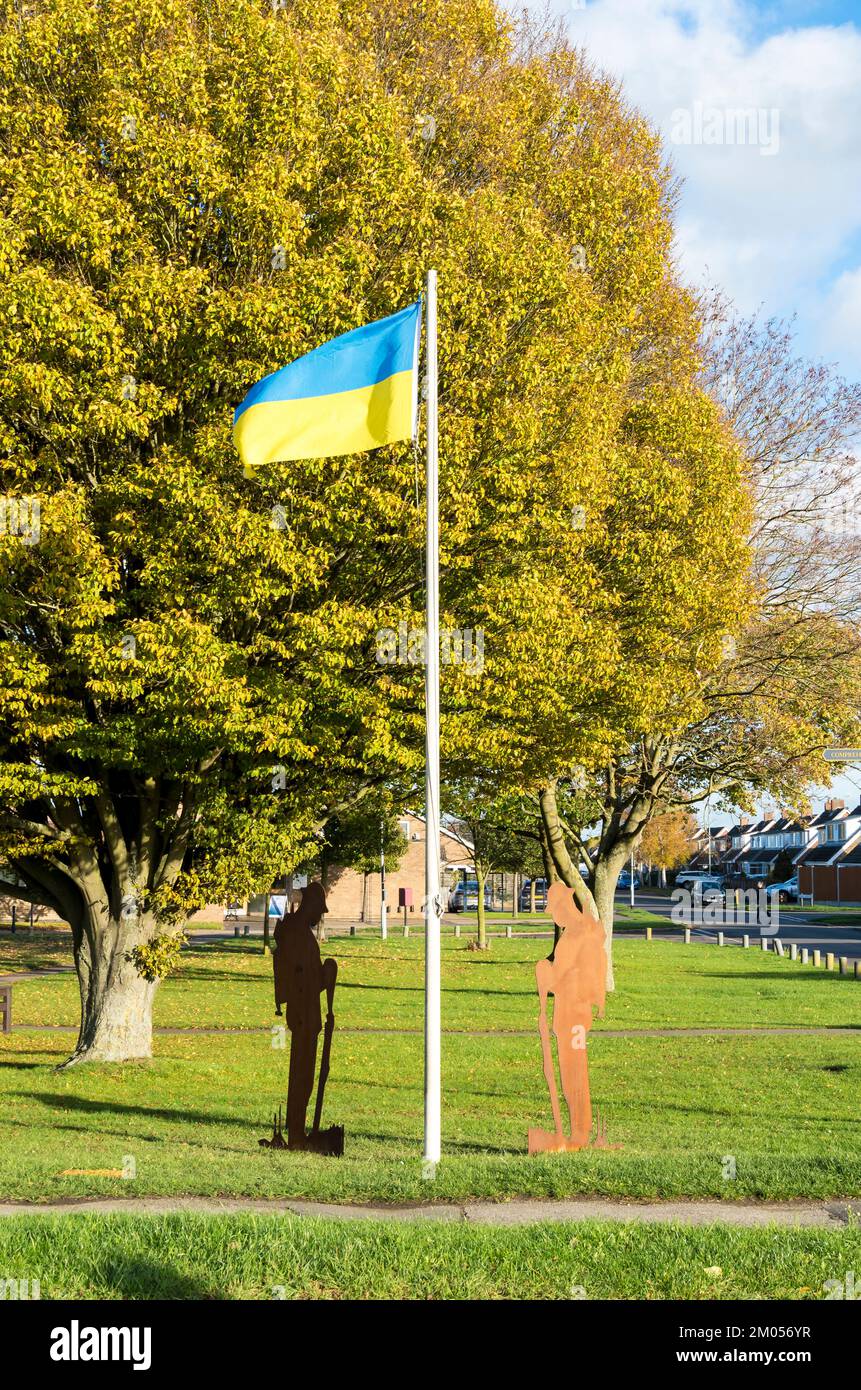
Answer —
835 804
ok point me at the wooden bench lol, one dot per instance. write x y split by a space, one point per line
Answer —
5 1008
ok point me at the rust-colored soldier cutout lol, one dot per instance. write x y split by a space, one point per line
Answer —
577 979
301 976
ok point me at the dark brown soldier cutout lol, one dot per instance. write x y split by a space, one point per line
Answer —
301 976
576 977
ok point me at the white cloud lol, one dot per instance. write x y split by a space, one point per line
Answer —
768 228
839 329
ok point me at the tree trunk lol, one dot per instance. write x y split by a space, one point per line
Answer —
606 877
324 880
551 873
598 898
482 923
266 924
116 1001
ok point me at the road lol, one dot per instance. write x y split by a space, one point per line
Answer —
792 926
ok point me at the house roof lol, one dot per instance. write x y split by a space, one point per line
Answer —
788 824
837 851
758 856
825 817
820 854
739 829
761 826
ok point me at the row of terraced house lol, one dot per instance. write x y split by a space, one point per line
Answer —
824 851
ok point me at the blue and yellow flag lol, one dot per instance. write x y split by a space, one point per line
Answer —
356 392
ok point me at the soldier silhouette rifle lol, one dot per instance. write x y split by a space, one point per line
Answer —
576 977
301 976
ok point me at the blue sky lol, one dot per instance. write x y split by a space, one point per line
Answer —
774 218
773 18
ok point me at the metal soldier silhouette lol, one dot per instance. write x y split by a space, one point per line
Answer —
576 977
301 976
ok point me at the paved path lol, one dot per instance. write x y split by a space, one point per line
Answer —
834 1214
17 975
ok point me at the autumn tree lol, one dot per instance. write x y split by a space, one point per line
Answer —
668 841
193 192
663 544
740 657
787 683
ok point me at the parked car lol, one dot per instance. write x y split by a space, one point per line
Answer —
625 879
526 893
707 883
786 892
464 896
691 876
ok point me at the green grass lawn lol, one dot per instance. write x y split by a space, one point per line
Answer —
264 1257
661 984
835 914
785 1107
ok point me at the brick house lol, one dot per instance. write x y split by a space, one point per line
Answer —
710 845
830 869
769 839
738 840
355 897
352 896
814 844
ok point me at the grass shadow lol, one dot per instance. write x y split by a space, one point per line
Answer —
141 1278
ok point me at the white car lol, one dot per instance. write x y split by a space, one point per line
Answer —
707 883
786 892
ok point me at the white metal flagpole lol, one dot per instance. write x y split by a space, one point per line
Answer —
433 904
383 909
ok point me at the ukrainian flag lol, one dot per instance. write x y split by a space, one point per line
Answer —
354 393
